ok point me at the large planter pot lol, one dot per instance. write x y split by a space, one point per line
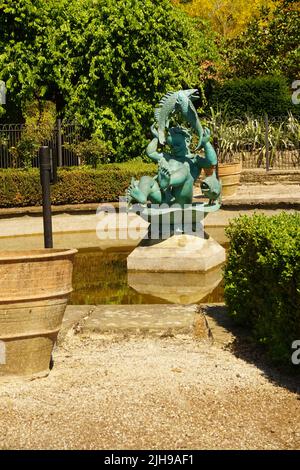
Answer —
230 175
34 290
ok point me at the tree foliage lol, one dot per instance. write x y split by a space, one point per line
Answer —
268 46
228 17
102 62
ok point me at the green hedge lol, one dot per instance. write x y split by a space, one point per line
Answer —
19 188
262 279
253 96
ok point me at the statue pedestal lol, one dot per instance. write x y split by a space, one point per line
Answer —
179 253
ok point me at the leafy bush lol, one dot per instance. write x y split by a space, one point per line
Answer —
253 96
74 186
39 125
262 279
91 152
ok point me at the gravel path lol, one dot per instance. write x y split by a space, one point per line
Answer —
147 393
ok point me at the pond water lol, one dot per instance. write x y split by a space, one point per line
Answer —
101 277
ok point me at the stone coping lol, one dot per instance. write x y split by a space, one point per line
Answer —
231 203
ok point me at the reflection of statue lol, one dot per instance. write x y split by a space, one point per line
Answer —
178 169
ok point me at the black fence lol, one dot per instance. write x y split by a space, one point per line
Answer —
63 137
258 143
278 146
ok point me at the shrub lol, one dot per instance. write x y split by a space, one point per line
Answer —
39 125
254 96
91 152
262 279
74 186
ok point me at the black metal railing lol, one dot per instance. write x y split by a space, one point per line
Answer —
63 137
260 142
265 143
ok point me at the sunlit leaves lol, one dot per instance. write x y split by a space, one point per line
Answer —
95 56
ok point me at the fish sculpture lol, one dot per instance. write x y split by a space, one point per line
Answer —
211 188
179 101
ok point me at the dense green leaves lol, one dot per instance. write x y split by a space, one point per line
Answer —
262 279
104 63
254 96
268 46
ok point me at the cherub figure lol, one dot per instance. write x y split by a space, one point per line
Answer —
178 168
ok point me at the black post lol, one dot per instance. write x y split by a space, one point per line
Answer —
267 142
59 144
45 170
53 164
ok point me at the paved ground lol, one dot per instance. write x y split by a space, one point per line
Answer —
140 392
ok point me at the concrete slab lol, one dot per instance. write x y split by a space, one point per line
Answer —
154 320
206 321
220 324
262 196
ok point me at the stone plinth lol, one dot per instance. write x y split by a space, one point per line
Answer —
179 253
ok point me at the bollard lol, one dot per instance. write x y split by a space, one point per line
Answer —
53 165
45 172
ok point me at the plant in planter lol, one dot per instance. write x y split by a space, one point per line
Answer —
227 141
244 140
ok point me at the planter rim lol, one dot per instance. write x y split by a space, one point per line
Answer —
230 164
42 296
45 253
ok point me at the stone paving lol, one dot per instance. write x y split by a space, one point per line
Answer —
154 320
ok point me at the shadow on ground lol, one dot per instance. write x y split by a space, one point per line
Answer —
238 340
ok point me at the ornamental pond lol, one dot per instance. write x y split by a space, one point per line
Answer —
101 277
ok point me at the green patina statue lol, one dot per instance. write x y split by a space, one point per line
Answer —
178 168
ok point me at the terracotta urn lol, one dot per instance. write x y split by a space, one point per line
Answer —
230 175
34 290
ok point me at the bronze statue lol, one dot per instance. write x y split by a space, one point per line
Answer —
178 168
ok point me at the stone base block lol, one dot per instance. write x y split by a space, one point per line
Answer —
179 253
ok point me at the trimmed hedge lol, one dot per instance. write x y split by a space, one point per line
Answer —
262 280
253 96
76 185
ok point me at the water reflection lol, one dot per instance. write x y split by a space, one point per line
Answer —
174 287
101 277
